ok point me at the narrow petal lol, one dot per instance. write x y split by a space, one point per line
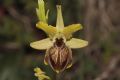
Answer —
50 30
76 43
42 44
69 30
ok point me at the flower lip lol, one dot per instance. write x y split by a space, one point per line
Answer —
59 58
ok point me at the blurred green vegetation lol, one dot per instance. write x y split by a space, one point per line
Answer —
101 21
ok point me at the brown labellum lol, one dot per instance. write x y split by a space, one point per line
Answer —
59 56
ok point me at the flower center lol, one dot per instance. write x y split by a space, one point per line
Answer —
59 42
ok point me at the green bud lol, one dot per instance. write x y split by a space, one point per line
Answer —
41 11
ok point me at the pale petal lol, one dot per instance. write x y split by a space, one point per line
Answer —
50 30
76 43
42 44
69 30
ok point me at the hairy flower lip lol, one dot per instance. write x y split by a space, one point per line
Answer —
59 58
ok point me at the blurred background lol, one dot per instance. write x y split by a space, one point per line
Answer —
100 60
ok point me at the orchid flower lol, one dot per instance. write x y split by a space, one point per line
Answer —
59 43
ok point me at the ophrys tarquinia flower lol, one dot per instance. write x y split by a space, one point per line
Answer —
59 43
